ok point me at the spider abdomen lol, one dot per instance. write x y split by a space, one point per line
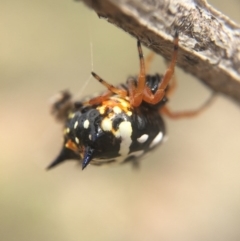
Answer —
112 132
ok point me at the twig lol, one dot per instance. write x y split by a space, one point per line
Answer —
209 41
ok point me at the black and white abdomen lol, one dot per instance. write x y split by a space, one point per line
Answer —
148 130
130 135
106 134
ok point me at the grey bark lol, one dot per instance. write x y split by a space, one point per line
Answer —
209 42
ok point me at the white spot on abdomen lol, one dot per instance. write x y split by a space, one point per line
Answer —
102 109
129 113
76 124
86 124
157 139
117 110
142 138
106 124
125 130
76 140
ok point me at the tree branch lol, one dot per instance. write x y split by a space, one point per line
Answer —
209 45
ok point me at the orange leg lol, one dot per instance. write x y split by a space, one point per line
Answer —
110 87
172 86
136 92
190 113
151 98
99 99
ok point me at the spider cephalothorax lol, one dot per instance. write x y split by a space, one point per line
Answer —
118 126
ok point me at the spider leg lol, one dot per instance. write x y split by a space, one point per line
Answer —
99 99
110 87
172 86
151 98
136 92
189 113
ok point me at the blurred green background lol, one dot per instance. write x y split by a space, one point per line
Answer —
189 189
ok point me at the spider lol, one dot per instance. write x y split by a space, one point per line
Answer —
122 124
